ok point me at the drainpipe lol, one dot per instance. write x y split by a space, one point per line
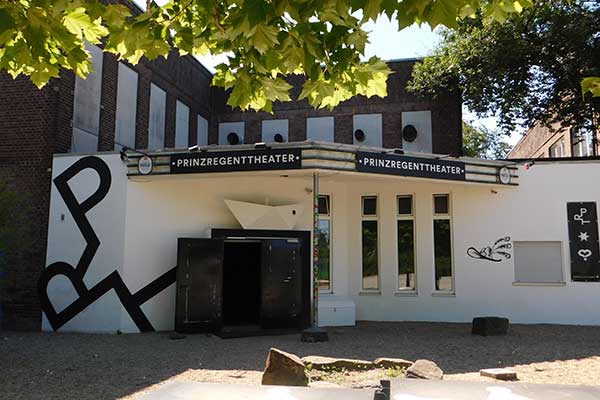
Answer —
315 311
314 333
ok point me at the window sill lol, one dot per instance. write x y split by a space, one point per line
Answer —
326 293
539 284
406 293
443 294
370 293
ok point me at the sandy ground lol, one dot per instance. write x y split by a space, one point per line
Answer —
78 366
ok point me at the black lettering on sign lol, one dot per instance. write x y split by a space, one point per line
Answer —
583 241
393 164
242 160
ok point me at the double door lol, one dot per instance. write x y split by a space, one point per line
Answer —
199 304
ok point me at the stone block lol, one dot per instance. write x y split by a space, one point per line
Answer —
490 326
284 369
503 374
424 369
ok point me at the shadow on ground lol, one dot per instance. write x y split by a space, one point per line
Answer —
78 366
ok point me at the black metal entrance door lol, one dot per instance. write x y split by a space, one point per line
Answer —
199 285
281 305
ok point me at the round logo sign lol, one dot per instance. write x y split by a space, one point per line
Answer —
504 175
145 165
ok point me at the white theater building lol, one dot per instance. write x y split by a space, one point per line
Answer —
223 238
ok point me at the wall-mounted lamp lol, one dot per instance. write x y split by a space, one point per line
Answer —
193 149
125 149
395 151
123 154
261 145
529 164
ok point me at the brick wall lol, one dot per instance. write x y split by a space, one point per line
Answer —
446 114
537 141
26 117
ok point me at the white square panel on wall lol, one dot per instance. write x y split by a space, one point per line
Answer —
369 127
538 262
320 129
182 125
227 128
422 141
86 105
202 139
156 120
127 85
273 127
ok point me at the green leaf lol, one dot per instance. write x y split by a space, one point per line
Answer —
591 84
42 74
263 37
372 10
443 12
79 24
276 89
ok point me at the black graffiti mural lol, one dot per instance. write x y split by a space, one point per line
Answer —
86 296
496 252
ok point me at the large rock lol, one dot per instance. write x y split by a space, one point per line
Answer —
284 369
332 364
489 326
386 362
424 369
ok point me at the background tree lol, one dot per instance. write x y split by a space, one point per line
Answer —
264 40
528 69
481 142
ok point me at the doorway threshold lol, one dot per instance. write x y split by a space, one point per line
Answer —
238 331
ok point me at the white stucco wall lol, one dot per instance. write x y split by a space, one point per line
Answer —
534 211
142 217
66 244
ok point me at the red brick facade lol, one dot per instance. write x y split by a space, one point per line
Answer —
446 114
537 141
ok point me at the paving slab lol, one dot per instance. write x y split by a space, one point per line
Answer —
401 389
181 390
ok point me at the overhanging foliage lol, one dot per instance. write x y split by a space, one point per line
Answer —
265 40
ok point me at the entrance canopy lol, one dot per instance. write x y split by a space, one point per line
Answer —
310 156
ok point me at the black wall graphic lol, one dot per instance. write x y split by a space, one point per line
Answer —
496 252
583 241
131 302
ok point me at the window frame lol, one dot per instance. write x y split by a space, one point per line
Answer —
328 217
584 142
562 145
376 219
442 217
406 217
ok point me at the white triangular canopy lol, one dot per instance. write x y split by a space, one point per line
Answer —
261 216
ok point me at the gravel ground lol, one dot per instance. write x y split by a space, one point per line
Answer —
79 366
